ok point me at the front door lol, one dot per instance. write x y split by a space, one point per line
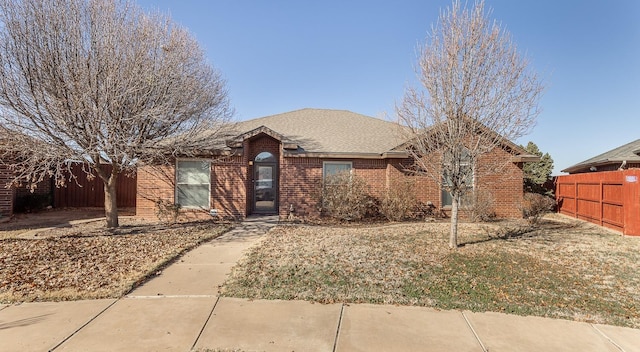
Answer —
265 187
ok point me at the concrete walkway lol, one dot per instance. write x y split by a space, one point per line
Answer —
180 311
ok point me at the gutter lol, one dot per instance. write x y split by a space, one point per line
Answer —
385 155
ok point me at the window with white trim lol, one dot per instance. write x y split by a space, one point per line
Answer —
331 168
193 183
469 180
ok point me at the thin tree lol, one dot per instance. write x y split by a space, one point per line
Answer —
477 93
90 83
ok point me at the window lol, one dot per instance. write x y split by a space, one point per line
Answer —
193 183
466 169
265 157
330 168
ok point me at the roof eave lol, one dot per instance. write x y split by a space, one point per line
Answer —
346 155
526 158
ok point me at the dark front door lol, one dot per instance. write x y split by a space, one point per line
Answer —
265 187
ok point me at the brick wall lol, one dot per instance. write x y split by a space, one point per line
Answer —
495 175
374 171
299 180
299 185
6 194
503 180
228 191
153 183
228 187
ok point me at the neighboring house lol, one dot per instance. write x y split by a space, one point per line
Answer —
623 157
275 165
604 190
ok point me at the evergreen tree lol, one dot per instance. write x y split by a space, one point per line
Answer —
537 173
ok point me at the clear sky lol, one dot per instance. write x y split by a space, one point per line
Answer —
279 56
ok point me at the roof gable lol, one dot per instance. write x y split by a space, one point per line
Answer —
329 131
629 152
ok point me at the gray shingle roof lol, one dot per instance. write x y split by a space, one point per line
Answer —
629 152
330 131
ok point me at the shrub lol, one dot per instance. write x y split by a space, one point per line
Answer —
345 197
535 206
479 205
167 211
399 203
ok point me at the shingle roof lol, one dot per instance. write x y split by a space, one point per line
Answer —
629 152
330 131
337 133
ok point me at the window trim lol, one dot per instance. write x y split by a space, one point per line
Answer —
442 191
472 186
177 184
340 162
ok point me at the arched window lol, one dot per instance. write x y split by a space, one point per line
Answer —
265 157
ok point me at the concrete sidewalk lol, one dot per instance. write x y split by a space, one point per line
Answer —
179 311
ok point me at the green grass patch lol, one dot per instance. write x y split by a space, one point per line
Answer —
576 272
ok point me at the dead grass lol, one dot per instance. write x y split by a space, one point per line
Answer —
87 261
564 269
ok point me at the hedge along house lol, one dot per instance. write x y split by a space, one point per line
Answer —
276 164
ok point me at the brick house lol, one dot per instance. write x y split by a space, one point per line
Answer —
275 164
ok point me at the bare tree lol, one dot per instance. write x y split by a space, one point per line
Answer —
101 82
477 94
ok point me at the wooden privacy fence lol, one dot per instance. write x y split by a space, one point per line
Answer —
90 193
609 198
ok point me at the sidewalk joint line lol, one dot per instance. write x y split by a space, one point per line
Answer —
85 324
608 338
474 332
172 296
205 324
335 341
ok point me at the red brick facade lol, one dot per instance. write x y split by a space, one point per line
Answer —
298 179
6 194
10 197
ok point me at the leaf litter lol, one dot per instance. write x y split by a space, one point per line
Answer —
88 261
562 269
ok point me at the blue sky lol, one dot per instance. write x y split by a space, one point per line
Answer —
279 56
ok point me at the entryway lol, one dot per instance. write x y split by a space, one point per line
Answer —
265 184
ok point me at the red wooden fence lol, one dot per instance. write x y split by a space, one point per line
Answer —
609 198
90 193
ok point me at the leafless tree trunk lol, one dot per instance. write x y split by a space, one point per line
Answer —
477 94
100 82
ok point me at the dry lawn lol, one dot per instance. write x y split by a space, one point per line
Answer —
564 269
87 261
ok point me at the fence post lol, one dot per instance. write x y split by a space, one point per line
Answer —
631 186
